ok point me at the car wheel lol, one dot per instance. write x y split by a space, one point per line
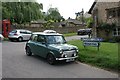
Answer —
28 51
51 59
20 39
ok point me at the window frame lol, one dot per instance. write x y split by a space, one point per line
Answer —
111 13
117 31
43 37
32 38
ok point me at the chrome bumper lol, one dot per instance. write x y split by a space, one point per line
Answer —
66 58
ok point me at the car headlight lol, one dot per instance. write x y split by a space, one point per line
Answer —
61 51
77 50
65 55
75 54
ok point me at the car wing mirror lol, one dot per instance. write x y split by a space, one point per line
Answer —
44 43
65 42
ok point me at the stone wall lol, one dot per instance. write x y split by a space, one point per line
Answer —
58 29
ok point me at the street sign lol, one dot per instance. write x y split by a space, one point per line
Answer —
94 42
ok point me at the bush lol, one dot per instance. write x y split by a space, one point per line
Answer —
115 39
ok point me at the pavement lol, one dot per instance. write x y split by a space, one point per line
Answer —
75 37
15 64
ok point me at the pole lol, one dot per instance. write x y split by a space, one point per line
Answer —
82 17
95 27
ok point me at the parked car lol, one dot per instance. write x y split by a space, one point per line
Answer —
84 31
1 37
19 35
51 46
49 31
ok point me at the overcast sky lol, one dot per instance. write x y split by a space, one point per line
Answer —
67 8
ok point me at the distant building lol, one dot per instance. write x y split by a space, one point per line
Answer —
87 15
38 23
106 12
68 23
59 24
73 22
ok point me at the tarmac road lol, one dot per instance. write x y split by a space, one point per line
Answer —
15 64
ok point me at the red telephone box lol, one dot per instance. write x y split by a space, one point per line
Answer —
5 27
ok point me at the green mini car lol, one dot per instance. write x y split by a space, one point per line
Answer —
51 46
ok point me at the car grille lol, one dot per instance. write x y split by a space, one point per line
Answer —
69 53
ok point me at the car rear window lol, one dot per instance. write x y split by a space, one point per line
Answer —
14 31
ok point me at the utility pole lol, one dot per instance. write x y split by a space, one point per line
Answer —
95 26
77 15
82 12
80 16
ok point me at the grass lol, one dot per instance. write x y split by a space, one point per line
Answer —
6 39
106 57
69 34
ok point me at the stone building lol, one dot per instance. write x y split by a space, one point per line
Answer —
107 13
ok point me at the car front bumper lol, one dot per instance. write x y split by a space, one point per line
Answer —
59 59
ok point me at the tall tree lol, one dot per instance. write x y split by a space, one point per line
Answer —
53 14
21 12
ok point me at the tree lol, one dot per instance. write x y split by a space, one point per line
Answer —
53 14
89 22
21 12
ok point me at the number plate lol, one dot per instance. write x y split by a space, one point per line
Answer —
69 60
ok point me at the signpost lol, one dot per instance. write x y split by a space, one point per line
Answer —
95 42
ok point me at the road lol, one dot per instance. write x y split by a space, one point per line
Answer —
15 64
0 60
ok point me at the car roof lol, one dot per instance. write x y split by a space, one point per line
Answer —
49 31
43 33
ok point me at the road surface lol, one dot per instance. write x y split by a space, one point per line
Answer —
15 64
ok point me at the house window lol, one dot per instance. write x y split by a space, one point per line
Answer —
111 13
116 32
118 12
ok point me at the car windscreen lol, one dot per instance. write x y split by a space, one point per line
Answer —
55 39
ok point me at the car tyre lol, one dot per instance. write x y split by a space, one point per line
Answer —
51 59
20 39
28 51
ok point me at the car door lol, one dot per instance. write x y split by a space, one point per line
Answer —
28 34
33 42
23 34
42 49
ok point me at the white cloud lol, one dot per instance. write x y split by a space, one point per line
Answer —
67 8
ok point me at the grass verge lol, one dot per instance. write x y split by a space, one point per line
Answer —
106 57
6 39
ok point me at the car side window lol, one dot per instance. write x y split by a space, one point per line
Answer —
22 32
28 32
34 37
41 39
